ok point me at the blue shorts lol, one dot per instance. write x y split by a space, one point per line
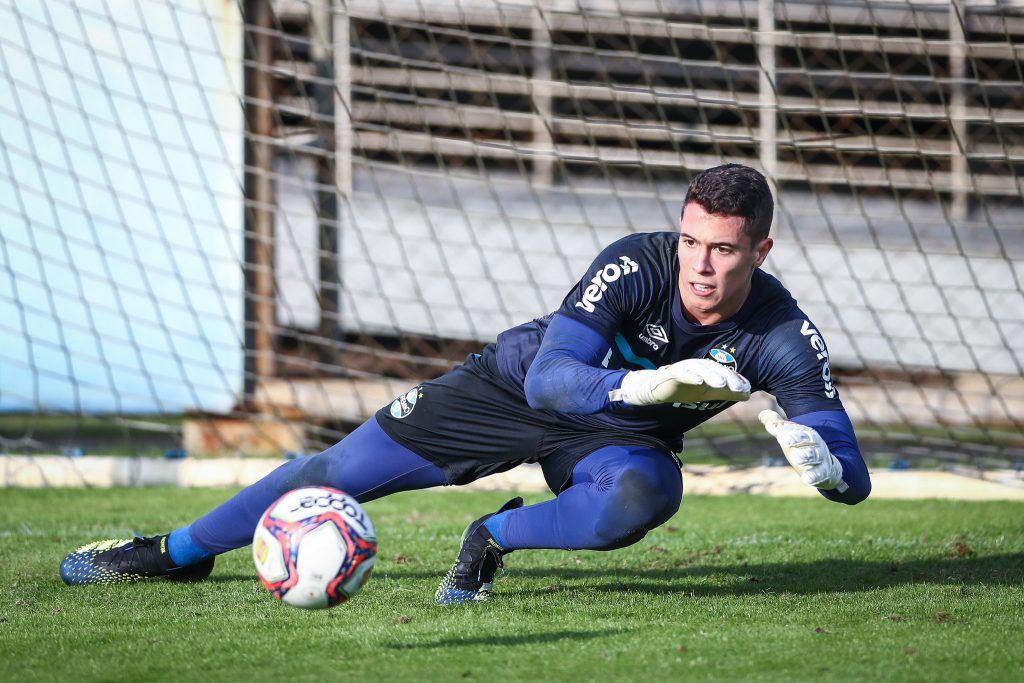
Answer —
471 423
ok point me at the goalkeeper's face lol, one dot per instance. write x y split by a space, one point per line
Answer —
716 262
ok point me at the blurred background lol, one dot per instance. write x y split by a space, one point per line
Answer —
240 227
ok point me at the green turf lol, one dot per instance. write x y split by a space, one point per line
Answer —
737 588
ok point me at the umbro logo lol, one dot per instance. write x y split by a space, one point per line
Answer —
656 332
654 336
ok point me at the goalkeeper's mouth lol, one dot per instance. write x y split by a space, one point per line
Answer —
702 288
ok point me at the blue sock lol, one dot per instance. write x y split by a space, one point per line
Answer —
183 550
493 524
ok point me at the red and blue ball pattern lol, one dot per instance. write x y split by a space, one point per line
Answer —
300 513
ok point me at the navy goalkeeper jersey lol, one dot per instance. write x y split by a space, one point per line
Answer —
630 296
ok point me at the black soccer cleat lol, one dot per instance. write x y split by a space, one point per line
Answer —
123 560
480 557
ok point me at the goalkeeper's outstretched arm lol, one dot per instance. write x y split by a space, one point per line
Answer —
566 376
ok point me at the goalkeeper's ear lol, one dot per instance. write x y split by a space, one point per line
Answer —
762 248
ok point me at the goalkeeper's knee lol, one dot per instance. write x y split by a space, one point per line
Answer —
644 495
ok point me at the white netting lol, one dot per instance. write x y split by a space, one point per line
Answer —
275 215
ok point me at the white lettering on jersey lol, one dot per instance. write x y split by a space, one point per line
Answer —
818 344
704 405
599 283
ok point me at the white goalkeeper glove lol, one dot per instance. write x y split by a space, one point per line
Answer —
688 381
806 451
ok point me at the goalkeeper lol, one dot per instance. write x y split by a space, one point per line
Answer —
662 332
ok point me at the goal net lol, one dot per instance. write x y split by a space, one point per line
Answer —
245 227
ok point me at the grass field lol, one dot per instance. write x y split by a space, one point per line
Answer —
736 588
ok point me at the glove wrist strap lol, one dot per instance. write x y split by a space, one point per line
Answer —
635 388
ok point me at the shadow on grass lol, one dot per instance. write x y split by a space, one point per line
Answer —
230 578
829 575
507 640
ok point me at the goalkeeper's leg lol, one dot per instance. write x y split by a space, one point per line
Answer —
367 464
617 495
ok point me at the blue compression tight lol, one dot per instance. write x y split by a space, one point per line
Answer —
618 494
366 464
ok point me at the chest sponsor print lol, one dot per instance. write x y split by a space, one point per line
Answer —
605 275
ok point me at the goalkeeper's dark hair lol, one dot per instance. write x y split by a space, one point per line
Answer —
735 190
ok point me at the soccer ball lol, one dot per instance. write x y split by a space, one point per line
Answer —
314 547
